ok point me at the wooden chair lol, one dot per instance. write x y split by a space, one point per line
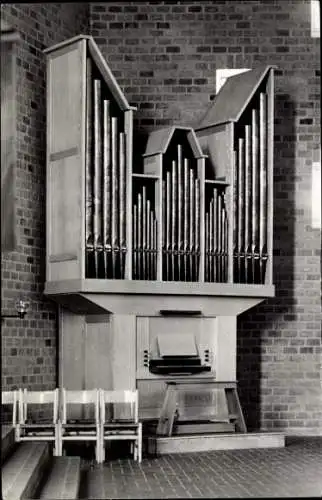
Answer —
120 425
78 428
43 427
10 399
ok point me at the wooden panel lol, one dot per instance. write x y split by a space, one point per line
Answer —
125 287
71 350
270 177
234 97
216 143
65 160
123 358
65 201
153 164
225 353
66 76
151 396
85 351
98 359
123 351
64 269
8 147
140 304
158 140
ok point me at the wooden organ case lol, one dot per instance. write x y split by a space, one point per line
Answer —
151 264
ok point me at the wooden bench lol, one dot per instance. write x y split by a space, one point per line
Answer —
231 421
22 473
64 479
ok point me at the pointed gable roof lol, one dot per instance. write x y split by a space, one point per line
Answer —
159 140
233 97
102 65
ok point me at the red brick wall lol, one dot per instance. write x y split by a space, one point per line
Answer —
29 345
164 56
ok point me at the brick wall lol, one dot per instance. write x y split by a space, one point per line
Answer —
29 345
164 56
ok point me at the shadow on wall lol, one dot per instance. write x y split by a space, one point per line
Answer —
140 139
258 329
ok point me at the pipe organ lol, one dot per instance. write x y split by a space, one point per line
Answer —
148 259
237 135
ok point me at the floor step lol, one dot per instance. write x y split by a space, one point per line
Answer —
64 479
202 427
207 442
22 472
7 441
96 484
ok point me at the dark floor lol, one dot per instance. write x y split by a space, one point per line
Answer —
294 471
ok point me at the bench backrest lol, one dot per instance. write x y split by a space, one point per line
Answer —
89 397
38 398
126 397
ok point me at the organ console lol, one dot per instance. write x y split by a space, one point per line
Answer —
190 229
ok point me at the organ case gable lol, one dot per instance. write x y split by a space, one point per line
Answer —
77 74
243 114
